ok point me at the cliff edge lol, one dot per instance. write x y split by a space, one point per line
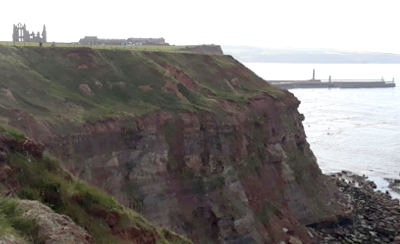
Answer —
196 143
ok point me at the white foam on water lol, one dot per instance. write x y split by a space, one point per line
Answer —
383 186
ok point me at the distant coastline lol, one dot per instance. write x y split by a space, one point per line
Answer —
248 54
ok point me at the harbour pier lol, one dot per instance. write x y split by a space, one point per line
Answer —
333 83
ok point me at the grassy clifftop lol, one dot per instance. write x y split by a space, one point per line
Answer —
81 84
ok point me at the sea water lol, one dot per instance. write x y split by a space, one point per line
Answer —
357 130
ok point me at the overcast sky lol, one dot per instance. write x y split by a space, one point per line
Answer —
359 25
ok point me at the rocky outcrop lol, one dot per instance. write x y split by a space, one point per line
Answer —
24 221
10 239
54 228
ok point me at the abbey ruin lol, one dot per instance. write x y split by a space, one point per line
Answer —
21 34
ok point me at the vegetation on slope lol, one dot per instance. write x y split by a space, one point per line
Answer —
13 226
41 178
77 85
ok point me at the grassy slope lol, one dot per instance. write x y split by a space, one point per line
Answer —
42 179
13 226
45 82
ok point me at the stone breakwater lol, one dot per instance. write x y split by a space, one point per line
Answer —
375 215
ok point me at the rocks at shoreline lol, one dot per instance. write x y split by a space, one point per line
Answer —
394 185
375 215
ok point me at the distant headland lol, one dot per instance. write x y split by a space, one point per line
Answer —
248 54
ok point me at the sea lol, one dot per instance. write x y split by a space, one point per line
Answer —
355 130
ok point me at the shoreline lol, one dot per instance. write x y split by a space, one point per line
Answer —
374 217
383 184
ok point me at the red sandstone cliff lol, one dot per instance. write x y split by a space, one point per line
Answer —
230 164
238 179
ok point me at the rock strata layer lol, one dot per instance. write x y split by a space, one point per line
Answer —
239 179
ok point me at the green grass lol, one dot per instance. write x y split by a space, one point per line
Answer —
13 223
45 82
151 48
7 211
43 180
12 132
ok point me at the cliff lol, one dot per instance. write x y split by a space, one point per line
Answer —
196 143
75 211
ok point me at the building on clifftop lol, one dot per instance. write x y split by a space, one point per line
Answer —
21 34
93 40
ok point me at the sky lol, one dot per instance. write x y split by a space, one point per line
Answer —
358 25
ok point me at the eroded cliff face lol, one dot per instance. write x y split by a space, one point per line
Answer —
220 156
60 208
238 179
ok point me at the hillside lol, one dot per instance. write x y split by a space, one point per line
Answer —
196 143
75 86
25 173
